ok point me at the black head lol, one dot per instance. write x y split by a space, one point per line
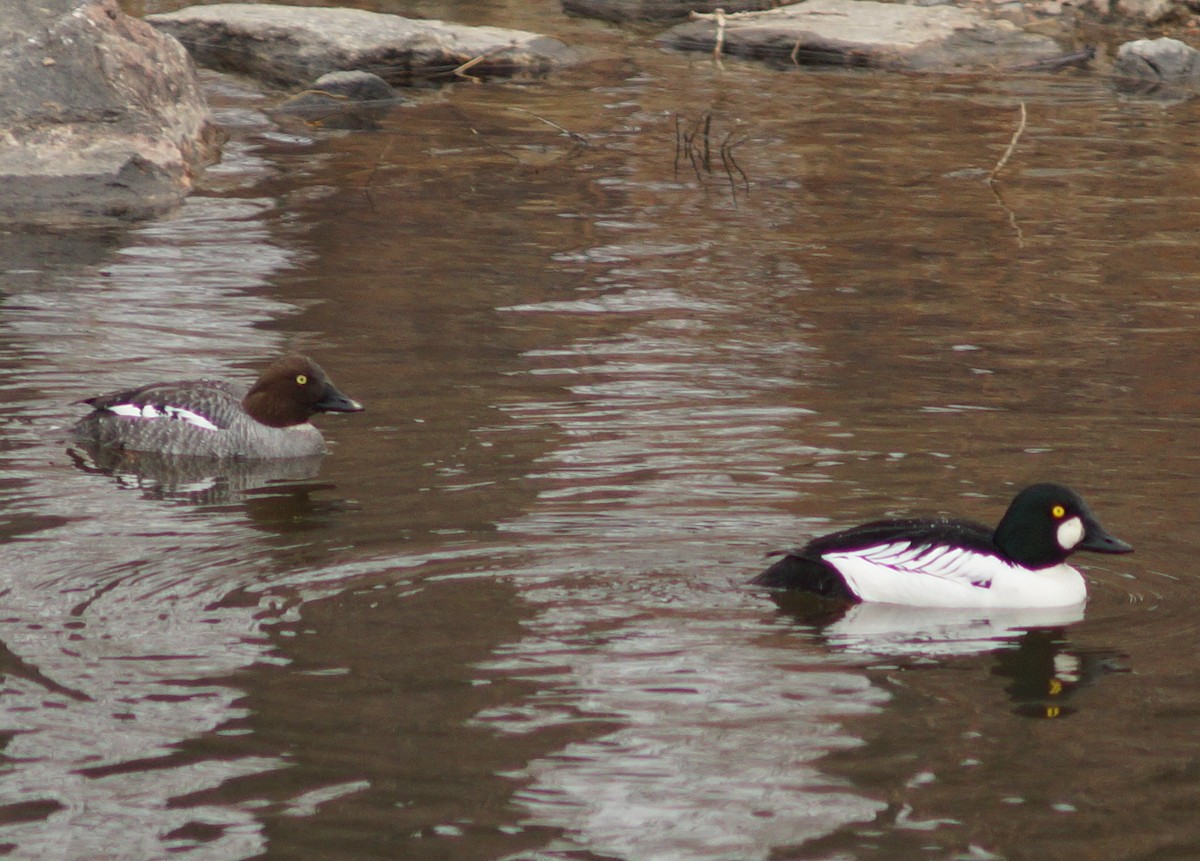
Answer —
1046 523
291 390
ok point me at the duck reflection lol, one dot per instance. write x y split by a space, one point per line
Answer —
1045 672
1030 645
196 480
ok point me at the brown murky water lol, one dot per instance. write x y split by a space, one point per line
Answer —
507 617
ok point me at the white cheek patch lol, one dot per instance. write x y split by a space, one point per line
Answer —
149 411
1070 532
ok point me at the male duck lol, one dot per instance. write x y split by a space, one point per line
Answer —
956 563
213 418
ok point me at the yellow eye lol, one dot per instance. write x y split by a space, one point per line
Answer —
1058 511
303 380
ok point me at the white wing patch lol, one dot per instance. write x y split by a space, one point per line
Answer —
150 411
906 573
960 564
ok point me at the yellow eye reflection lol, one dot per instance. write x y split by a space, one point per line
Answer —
1058 511
303 380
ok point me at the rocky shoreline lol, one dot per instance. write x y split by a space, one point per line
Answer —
120 131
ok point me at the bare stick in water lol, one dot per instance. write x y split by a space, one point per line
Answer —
1012 145
575 136
461 71
719 44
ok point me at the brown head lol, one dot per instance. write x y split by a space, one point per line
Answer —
291 390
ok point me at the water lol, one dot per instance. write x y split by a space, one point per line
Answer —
507 618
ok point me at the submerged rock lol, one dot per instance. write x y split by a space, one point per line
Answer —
344 100
1164 67
101 116
293 45
868 33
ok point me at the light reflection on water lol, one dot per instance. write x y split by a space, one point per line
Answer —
508 618
118 604
695 769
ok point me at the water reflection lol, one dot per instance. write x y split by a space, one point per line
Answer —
922 632
1046 672
195 480
717 742
113 622
678 412
382 678
519 627
1031 647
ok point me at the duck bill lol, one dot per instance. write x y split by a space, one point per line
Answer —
333 401
1099 541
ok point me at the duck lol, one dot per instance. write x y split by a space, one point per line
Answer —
220 419
947 562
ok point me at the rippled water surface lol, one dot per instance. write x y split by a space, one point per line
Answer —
507 617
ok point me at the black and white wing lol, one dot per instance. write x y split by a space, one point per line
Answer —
205 404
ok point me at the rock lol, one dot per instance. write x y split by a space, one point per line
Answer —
1165 67
1094 8
292 45
100 115
344 100
658 10
868 33
1151 11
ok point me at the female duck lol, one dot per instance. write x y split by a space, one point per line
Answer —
956 563
213 418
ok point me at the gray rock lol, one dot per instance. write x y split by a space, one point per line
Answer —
1152 11
658 10
867 33
100 115
344 100
1165 67
292 45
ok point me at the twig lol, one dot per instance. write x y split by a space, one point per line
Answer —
375 169
712 16
678 144
719 43
695 143
1012 145
461 71
575 136
1012 216
727 159
693 156
1050 64
487 143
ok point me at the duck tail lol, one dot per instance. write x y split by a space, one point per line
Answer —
799 573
